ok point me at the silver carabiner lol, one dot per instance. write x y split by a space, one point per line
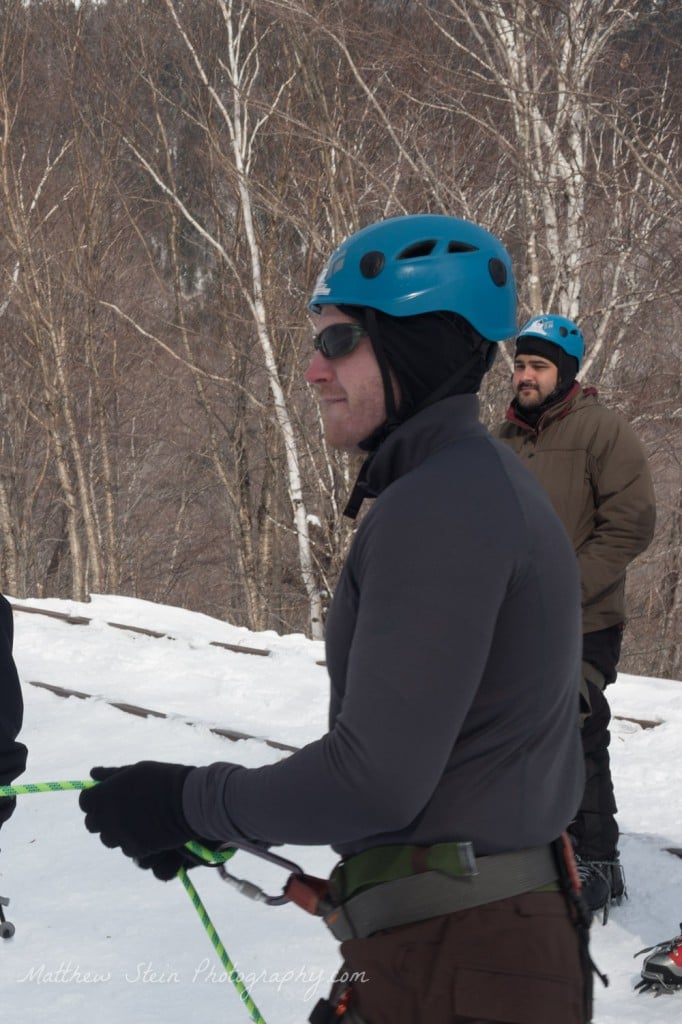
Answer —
250 889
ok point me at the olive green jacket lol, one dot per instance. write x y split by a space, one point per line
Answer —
595 472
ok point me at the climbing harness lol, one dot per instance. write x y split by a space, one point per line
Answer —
386 887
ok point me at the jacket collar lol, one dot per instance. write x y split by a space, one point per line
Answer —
412 442
421 436
562 407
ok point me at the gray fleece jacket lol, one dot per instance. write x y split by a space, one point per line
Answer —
453 648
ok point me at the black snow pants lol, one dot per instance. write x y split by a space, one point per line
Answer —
595 830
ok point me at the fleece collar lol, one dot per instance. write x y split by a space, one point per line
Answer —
412 442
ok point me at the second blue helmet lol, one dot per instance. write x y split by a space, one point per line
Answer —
558 330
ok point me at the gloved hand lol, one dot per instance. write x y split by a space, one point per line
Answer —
139 808
7 805
166 865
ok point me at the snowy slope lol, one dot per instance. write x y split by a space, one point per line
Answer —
99 940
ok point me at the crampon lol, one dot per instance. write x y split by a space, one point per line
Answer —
662 968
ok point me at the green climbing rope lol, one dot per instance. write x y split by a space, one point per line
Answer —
45 787
220 949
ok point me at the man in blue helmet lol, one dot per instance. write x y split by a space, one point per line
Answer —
595 472
449 771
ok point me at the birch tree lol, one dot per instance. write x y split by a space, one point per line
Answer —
29 214
554 85
225 102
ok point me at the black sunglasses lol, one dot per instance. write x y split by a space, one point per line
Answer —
338 339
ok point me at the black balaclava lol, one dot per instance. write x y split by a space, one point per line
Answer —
432 356
567 367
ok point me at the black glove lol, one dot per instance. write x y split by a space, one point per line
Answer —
166 865
7 805
139 808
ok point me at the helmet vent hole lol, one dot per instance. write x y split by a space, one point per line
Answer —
461 247
498 271
418 249
372 263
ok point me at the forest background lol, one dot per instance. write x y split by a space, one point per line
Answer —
173 175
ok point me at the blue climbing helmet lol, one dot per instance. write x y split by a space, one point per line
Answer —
558 330
424 263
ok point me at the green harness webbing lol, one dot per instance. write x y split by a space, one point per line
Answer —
390 886
211 857
382 864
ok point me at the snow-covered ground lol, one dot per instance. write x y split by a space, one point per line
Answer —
99 940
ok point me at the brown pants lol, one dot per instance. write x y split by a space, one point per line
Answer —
515 961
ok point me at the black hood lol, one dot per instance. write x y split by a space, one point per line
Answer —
432 356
